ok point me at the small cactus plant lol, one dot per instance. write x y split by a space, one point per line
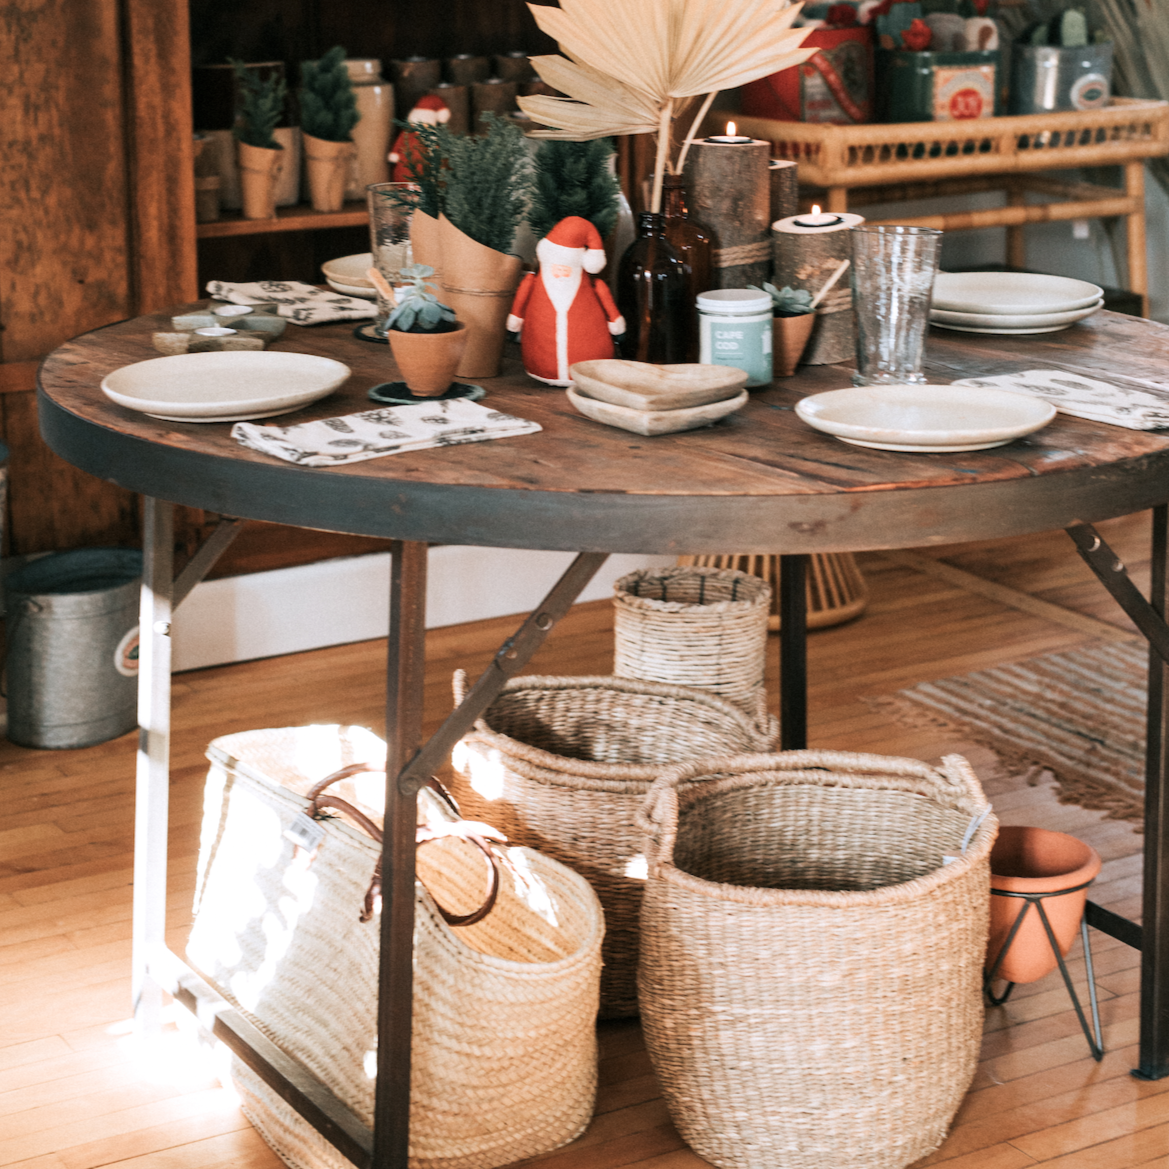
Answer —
417 310
787 302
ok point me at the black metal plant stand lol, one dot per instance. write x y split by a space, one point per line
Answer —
1094 1036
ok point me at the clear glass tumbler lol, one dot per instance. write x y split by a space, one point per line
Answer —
390 207
893 270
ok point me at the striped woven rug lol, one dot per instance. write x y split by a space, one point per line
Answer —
1080 715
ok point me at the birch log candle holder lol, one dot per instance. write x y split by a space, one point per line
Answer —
728 188
808 249
785 188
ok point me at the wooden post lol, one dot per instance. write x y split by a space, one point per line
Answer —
1138 271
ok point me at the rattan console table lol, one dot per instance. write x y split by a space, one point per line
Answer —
759 481
858 165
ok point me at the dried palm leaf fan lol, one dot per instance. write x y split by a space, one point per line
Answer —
837 591
630 66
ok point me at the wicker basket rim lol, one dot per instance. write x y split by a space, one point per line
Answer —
758 591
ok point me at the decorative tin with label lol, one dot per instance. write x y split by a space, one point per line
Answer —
937 87
1045 78
734 328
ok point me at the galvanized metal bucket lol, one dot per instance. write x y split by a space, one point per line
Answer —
1045 78
73 647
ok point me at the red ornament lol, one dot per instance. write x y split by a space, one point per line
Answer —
565 313
917 36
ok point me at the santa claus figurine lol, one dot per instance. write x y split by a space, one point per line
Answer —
565 314
406 153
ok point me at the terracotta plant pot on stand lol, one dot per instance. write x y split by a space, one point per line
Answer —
1039 886
327 165
789 338
478 283
259 169
428 361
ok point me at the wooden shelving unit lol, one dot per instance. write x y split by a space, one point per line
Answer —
296 218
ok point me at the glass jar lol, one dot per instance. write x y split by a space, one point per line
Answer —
734 328
371 135
652 296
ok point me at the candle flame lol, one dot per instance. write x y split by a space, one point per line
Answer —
731 130
815 208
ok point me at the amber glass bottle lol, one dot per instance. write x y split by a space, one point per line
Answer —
651 296
693 242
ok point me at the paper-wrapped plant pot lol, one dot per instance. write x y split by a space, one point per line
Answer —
428 361
789 338
425 245
259 169
478 283
327 164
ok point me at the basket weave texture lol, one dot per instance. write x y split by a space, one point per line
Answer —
693 626
563 764
810 963
504 1050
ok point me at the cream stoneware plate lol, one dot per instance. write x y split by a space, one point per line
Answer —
1027 321
641 385
1001 332
1011 293
651 422
224 387
365 292
350 270
924 419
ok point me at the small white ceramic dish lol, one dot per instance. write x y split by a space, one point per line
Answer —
1011 293
224 386
651 422
925 419
1005 321
1001 332
350 270
366 293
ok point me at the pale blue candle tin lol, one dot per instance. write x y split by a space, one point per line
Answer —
734 328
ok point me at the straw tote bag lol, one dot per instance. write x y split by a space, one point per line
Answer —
504 1052
813 933
563 764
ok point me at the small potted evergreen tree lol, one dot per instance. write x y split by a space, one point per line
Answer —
261 106
426 339
328 113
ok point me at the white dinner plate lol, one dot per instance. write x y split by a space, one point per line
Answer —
224 386
1011 293
1004 321
1001 332
350 270
925 418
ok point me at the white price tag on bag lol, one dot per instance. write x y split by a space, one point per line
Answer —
305 832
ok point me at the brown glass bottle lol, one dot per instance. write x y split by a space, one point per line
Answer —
651 296
693 242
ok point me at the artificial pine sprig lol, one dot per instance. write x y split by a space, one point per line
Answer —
261 106
424 164
572 178
328 107
486 182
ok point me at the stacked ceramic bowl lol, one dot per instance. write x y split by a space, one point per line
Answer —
1006 303
347 275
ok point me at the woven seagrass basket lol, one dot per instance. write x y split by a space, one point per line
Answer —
811 956
504 1049
562 765
692 626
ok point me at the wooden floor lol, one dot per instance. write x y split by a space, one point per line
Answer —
77 1091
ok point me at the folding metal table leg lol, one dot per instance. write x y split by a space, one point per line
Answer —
793 652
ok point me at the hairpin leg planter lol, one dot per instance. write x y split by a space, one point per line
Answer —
1034 866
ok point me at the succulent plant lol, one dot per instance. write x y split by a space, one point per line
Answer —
787 302
417 310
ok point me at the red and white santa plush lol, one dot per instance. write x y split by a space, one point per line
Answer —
566 315
405 154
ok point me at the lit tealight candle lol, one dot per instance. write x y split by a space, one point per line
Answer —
215 331
233 310
730 138
819 218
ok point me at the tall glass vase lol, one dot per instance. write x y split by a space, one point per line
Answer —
652 296
693 243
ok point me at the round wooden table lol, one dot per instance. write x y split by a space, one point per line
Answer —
760 481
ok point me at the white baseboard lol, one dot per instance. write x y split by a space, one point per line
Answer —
333 602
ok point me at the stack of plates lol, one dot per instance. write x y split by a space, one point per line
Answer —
1011 302
347 275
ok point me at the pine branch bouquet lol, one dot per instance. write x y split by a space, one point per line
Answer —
261 106
630 65
328 107
572 178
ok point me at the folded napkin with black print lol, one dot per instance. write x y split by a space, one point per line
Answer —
386 431
302 304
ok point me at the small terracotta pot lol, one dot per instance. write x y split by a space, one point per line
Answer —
259 169
428 361
327 166
1037 860
789 337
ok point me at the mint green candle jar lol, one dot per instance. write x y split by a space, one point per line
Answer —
734 328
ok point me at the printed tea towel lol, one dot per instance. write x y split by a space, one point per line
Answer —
1139 406
302 304
386 431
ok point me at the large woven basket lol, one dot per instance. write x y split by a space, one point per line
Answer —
504 1049
562 765
692 626
813 933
